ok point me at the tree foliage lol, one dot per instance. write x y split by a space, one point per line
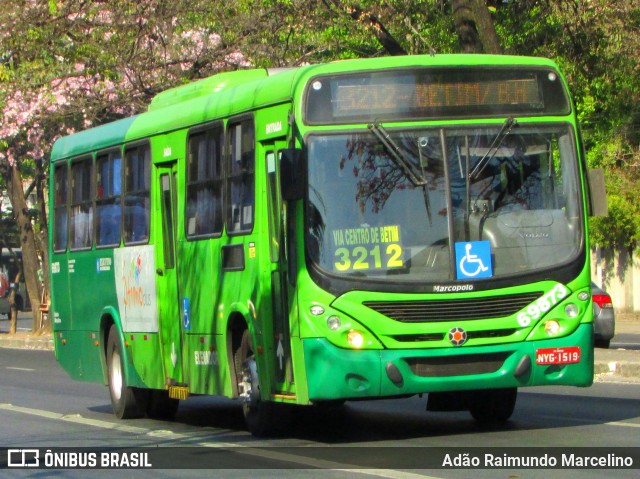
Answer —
66 65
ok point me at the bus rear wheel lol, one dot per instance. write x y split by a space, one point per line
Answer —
492 406
258 414
127 402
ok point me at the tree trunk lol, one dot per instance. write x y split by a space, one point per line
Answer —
486 29
475 29
30 260
13 311
43 238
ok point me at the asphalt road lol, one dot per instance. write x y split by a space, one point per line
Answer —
41 407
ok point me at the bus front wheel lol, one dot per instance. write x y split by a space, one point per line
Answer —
258 414
127 402
492 406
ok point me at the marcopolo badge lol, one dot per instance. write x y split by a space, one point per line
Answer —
457 336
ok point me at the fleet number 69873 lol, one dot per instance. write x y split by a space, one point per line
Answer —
543 304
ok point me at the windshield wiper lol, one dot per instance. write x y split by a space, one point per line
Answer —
410 171
507 126
414 175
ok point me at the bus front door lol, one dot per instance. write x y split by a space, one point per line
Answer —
169 314
280 288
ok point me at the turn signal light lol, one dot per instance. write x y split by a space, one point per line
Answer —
355 338
552 327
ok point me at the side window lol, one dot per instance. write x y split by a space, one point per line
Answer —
60 207
81 220
108 198
240 184
137 205
205 183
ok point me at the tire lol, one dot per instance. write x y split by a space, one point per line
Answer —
127 402
602 343
492 406
161 406
258 414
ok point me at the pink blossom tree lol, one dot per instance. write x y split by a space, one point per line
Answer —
67 66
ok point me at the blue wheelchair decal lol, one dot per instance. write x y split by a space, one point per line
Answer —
186 314
473 260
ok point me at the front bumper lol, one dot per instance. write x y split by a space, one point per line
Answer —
334 373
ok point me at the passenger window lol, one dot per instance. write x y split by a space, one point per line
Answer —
108 199
60 208
205 183
137 205
81 221
241 198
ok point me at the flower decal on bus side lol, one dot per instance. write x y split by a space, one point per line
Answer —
136 269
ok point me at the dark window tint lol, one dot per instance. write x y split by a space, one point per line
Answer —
60 214
241 199
137 203
205 183
108 198
168 184
81 224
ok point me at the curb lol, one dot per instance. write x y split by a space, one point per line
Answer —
21 341
617 363
619 369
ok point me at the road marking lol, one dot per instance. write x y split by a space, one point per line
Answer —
591 421
19 369
262 451
75 418
623 424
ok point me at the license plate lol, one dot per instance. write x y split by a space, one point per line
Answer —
567 355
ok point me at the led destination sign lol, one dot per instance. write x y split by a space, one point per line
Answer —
353 98
424 93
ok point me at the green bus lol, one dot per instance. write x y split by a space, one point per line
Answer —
361 229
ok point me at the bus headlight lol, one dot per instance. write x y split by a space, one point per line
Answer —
571 310
333 323
355 338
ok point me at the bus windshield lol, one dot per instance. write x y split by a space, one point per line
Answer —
518 198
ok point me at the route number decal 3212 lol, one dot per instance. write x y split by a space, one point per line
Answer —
360 258
367 247
543 304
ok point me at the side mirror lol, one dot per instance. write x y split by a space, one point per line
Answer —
597 193
292 177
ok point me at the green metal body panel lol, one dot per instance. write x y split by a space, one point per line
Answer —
338 373
142 372
205 375
197 300
78 355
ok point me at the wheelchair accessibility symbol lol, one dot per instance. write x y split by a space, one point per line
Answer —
473 260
